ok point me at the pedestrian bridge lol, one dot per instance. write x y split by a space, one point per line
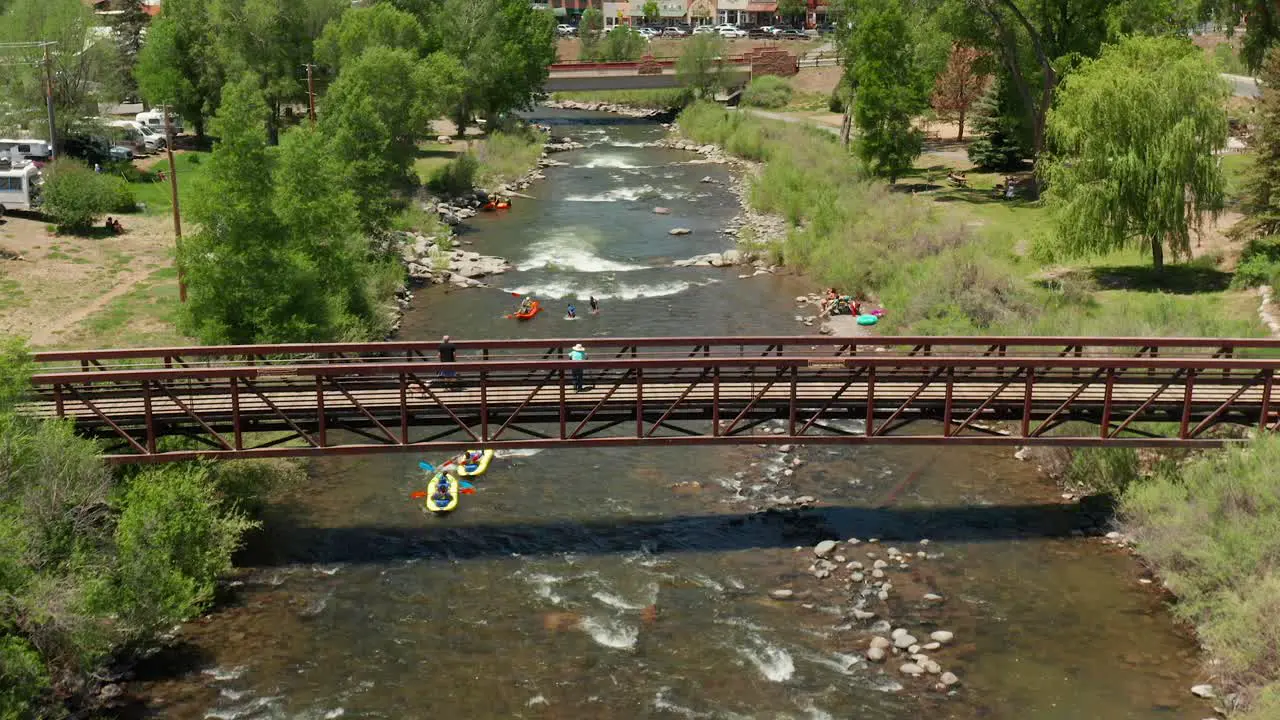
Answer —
165 404
649 73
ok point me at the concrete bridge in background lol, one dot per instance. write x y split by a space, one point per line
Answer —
649 73
306 400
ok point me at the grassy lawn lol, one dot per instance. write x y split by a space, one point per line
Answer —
156 196
1236 169
145 315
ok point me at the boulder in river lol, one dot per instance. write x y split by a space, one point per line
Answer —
875 654
661 211
911 669
949 679
782 594
679 231
879 642
902 642
942 636
824 548
1204 691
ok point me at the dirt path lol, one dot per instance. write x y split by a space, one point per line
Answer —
47 333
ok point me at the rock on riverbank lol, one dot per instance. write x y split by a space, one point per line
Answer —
612 108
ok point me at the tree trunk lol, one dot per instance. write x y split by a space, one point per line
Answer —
1157 254
960 131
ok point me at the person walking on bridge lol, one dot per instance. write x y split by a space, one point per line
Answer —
448 353
578 354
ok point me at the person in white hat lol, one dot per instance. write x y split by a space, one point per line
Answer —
578 354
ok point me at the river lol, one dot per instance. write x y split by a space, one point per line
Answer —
605 583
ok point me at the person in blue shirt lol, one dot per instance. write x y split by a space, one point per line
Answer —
573 312
578 354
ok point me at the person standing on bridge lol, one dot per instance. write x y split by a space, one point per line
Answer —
578 354
448 353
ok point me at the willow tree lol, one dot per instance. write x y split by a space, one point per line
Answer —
1134 134
1261 199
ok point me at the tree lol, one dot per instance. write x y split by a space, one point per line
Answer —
1260 20
1000 138
376 110
959 85
130 27
700 68
622 44
1261 201
361 28
178 63
272 39
589 33
651 11
506 48
791 10
84 67
1134 134
889 89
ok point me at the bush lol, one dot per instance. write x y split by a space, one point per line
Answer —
457 177
622 44
23 678
119 195
75 197
835 103
174 539
1259 263
1104 470
1212 530
767 91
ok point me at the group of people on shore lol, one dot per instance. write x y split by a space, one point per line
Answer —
836 304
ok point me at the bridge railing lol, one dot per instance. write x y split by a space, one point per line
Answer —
650 347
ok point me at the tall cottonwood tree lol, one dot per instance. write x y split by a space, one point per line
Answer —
889 91
361 28
1261 201
1134 134
178 64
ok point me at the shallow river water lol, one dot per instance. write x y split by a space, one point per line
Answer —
582 584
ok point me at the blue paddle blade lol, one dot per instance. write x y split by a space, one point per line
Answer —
465 485
426 466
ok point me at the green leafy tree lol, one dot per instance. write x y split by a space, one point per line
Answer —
651 11
129 25
23 678
506 48
590 30
1134 134
889 89
623 44
380 105
178 64
1259 20
1261 201
85 65
1000 139
272 39
362 28
792 11
700 67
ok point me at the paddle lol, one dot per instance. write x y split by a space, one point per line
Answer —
430 470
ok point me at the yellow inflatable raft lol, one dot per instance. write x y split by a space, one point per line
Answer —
477 469
431 505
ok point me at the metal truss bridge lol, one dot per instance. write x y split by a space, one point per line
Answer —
306 400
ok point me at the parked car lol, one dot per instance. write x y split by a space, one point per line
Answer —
731 31
647 33
95 150
761 32
565 30
791 34
154 119
674 31
704 30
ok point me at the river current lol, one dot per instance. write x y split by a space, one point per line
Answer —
604 583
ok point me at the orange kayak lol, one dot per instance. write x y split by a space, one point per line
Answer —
534 307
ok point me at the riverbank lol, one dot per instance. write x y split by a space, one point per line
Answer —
978 276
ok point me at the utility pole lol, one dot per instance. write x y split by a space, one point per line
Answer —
173 193
311 92
48 97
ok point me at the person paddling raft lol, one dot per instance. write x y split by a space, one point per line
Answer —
595 305
572 313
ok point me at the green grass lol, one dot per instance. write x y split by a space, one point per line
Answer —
146 315
1235 169
505 156
11 294
156 196
655 98
957 261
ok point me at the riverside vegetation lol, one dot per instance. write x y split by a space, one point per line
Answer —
97 563
955 261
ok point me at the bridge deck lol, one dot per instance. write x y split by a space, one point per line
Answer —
388 397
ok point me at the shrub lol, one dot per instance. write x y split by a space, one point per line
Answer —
767 91
457 177
174 538
835 103
75 197
1212 530
23 678
119 195
1259 263
1104 470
